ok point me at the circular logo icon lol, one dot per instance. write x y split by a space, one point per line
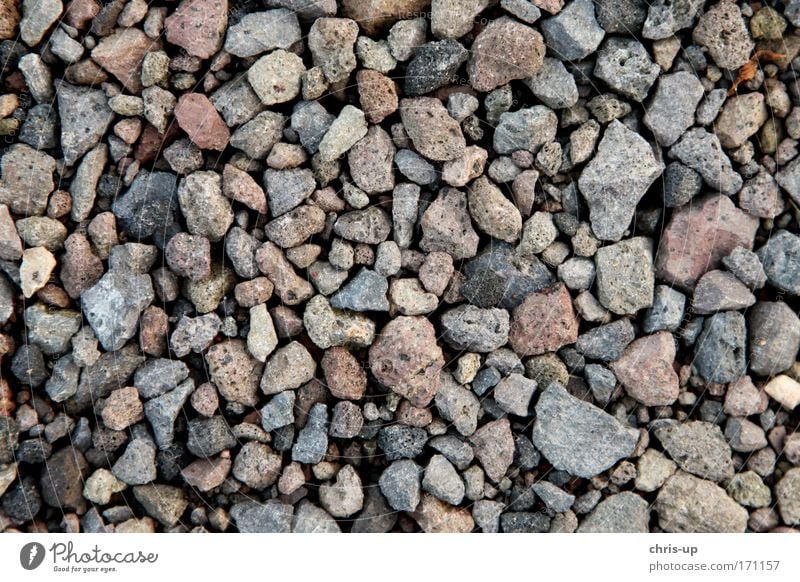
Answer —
31 555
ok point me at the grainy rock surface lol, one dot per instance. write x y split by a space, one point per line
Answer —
399 265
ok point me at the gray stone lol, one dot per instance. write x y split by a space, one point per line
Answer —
328 327
365 292
774 334
286 189
625 66
312 442
194 334
720 291
209 436
616 179
719 354
279 411
621 16
513 394
667 310
723 31
346 421
494 448
671 111
162 412
259 32
63 381
401 442
415 167
702 152
137 465
625 277
554 498
256 137
269 517
554 85
781 260
442 481
601 382
787 494
85 117
446 226
606 342
709 107
525 129
148 206
456 404
159 376
343 133
308 518
573 33
455 450
697 447
290 367
681 184
687 504
400 485
113 306
621 513
578 437
470 328
311 122
433 66
51 329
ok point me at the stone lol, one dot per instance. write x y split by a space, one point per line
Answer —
525 129
434 65
406 359
289 286
329 327
241 187
279 411
257 466
260 32
625 279
494 448
521 47
10 243
400 485
744 436
189 256
621 513
786 493
494 214
415 167
720 291
197 116
101 486
312 442
163 411
198 27
446 226
784 390
606 342
702 152
276 77
311 122
573 33
27 181
113 306
543 322
625 66
749 490
369 226
779 259
207 474
289 368
37 18
121 54
553 85
435 134
401 442
461 171
365 292
137 465
344 497
698 237
209 436
257 137
687 504
652 470
331 42
616 179
51 329
442 481
269 517
513 394
370 162
719 354
722 30
681 184
344 376
343 133
457 405
774 337
347 420
470 328
672 108
194 334
699 448
741 117
34 272
646 370
577 437
286 189
148 206
760 196
451 19
122 408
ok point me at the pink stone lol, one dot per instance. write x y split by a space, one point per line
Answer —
197 116
198 26
699 236
121 54
646 370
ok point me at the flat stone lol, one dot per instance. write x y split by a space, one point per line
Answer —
784 390
197 116
720 291
113 306
774 334
209 436
442 481
269 517
369 226
779 256
343 133
573 33
687 504
616 180
698 448
513 394
434 64
494 448
553 85
698 237
137 465
578 437
276 77
672 108
722 30
278 412
606 342
27 180
525 129
121 54
148 206
625 279
446 226
470 328
198 26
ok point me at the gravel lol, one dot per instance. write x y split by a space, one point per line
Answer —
516 266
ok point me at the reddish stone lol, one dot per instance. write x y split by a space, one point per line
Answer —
79 13
240 186
154 327
205 399
80 268
198 117
122 408
251 293
436 516
344 375
494 448
505 50
208 474
699 236
377 93
152 143
121 54
234 371
406 358
198 26
373 15
9 19
646 370
543 322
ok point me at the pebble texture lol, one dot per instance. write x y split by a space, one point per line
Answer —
399 266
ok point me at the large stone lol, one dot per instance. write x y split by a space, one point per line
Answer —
625 279
702 152
198 26
774 334
113 306
446 226
121 54
259 32
470 328
544 322
621 513
699 448
573 33
671 111
578 437
148 206
494 214
741 117
504 51
27 180
525 129
781 260
235 373
723 31
687 504
435 134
